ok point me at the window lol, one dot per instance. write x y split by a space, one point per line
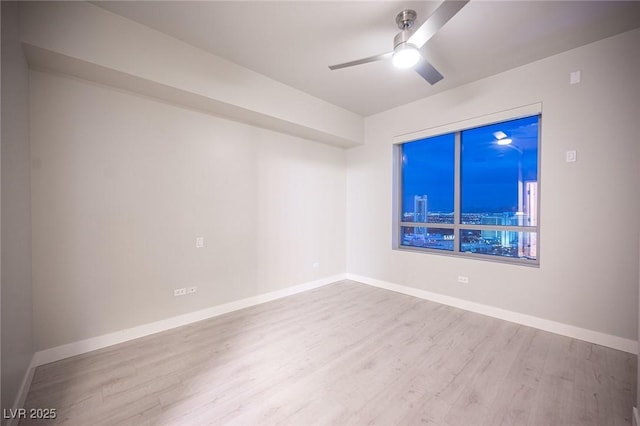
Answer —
472 192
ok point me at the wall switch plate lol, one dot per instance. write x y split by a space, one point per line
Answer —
572 156
575 77
191 290
180 291
199 242
463 279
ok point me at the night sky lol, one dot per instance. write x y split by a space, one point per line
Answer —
489 171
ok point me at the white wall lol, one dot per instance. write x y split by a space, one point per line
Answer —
588 275
123 184
17 345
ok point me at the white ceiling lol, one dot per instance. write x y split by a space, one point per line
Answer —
294 41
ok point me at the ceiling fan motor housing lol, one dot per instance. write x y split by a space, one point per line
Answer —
406 18
405 21
401 37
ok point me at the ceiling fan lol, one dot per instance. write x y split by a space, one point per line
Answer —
406 43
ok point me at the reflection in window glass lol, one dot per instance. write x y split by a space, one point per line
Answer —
499 174
428 179
433 238
499 243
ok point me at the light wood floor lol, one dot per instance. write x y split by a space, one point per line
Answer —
344 354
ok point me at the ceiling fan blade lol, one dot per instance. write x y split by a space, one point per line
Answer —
444 12
427 71
361 61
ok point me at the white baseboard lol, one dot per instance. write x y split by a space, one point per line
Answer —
76 348
636 418
603 339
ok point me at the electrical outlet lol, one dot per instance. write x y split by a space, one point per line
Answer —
192 289
199 242
463 279
316 264
180 291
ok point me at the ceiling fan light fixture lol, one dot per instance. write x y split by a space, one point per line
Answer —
406 43
405 55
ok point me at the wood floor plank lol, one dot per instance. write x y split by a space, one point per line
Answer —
592 401
514 402
556 384
344 354
474 404
622 368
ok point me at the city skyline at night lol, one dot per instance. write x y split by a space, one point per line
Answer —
498 187
489 172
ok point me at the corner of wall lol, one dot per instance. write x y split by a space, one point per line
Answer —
15 241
